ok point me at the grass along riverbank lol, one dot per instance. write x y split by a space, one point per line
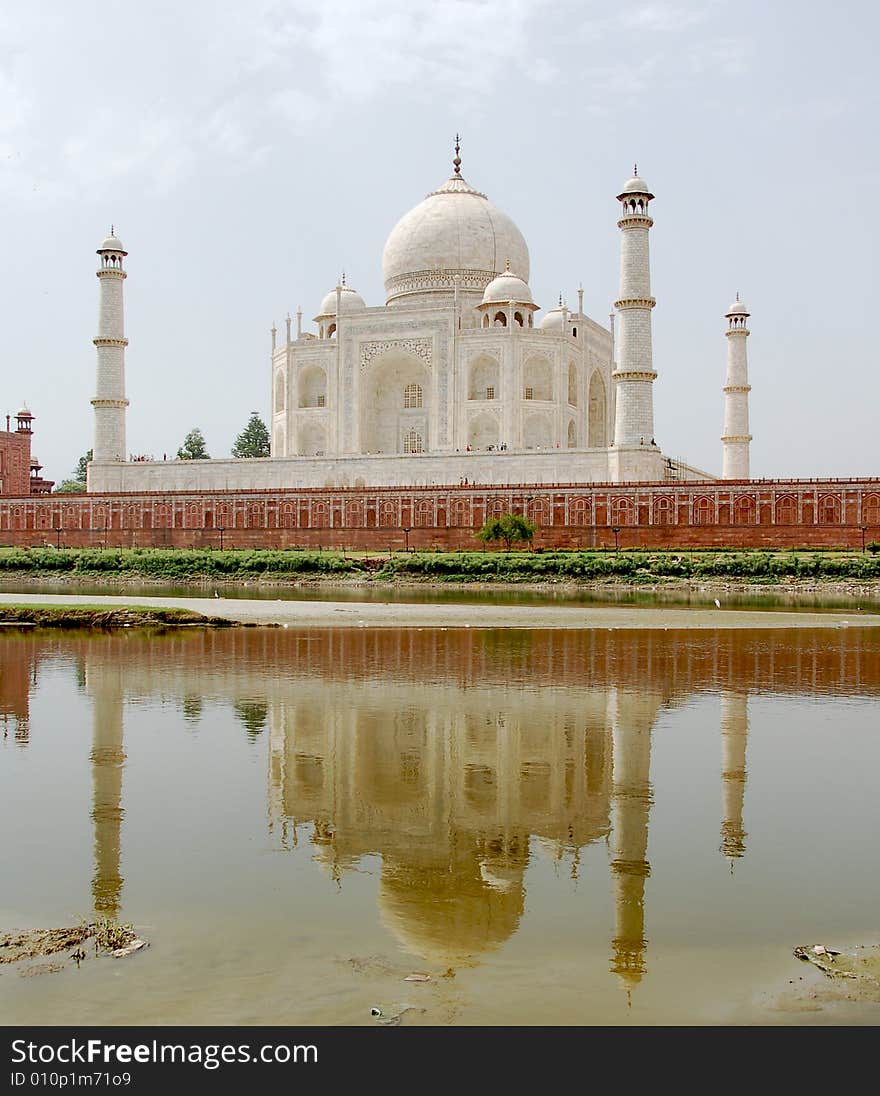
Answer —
578 567
100 616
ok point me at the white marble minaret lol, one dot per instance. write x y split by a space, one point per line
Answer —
110 402
634 376
736 437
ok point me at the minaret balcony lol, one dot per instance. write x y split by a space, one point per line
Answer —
635 220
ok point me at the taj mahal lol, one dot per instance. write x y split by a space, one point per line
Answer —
456 379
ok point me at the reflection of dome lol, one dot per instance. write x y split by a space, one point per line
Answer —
112 243
448 912
350 301
455 230
507 287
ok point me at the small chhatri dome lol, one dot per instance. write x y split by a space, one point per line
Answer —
24 413
507 287
349 301
737 308
635 185
112 243
554 320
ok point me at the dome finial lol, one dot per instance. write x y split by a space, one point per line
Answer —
343 279
507 265
112 230
560 300
456 163
635 169
737 294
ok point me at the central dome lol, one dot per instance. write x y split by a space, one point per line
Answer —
455 231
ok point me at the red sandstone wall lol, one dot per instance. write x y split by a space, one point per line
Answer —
15 463
777 513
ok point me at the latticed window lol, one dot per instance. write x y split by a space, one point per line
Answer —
412 439
322 401
412 396
529 393
490 393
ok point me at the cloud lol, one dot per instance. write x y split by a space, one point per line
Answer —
150 90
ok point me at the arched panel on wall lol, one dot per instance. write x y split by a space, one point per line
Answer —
745 510
388 515
395 404
423 514
871 510
312 439
279 390
537 432
573 384
483 432
484 379
580 512
663 510
572 439
279 446
598 413
312 387
829 510
786 512
537 379
623 512
704 511
459 513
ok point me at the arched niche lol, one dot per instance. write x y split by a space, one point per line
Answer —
312 440
483 381
537 379
390 405
279 391
483 432
598 416
573 384
537 432
313 387
572 435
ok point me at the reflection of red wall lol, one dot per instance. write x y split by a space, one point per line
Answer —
17 668
15 463
765 513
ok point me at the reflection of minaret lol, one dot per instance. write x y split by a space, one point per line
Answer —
107 761
734 735
632 722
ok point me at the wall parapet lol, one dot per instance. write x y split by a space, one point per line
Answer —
745 513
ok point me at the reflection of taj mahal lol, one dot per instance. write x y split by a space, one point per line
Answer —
458 763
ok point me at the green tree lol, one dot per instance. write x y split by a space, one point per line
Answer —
253 715
509 528
77 482
193 447
253 441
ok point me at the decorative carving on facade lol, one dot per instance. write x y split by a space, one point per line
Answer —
428 281
422 348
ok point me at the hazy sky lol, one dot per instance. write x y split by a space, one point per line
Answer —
247 152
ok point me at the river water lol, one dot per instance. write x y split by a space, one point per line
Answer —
547 827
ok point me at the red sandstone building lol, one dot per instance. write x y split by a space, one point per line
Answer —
19 471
